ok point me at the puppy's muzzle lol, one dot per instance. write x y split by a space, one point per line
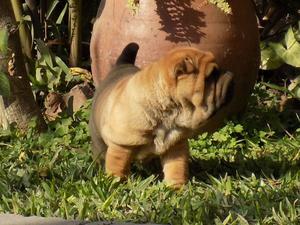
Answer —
224 86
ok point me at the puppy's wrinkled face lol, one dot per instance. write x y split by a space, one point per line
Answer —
196 84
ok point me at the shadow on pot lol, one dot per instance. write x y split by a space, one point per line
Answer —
180 20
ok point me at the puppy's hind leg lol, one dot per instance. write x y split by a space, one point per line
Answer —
175 164
98 146
118 160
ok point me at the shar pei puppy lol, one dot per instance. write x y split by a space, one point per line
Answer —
141 113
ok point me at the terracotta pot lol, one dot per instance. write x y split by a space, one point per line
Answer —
161 25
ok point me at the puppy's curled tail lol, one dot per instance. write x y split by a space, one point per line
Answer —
128 54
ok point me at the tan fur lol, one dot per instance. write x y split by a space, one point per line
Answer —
155 110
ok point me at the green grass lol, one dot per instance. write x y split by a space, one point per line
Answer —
246 173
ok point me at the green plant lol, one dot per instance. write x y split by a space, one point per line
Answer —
287 50
133 5
223 144
280 45
222 4
4 85
48 26
50 71
4 81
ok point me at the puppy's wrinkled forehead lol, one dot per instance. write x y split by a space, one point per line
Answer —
185 60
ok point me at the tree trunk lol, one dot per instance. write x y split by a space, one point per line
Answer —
20 107
75 8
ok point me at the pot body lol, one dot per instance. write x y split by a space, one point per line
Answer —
159 26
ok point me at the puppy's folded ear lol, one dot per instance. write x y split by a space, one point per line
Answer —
186 66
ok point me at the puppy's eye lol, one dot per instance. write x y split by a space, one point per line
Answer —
186 66
189 65
187 59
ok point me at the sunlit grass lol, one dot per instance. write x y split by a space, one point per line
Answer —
246 173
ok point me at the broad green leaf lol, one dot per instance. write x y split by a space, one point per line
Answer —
54 77
45 52
51 79
69 77
269 59
4 85
297 32
57 73
26 18
289 38
41 62
3 41
40 76
51 9
62 14
296 92
294 83
62 65
35 85
290 53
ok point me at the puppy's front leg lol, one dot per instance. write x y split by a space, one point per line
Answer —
117 161
175 164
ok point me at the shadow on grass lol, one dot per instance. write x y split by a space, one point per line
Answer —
200 169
